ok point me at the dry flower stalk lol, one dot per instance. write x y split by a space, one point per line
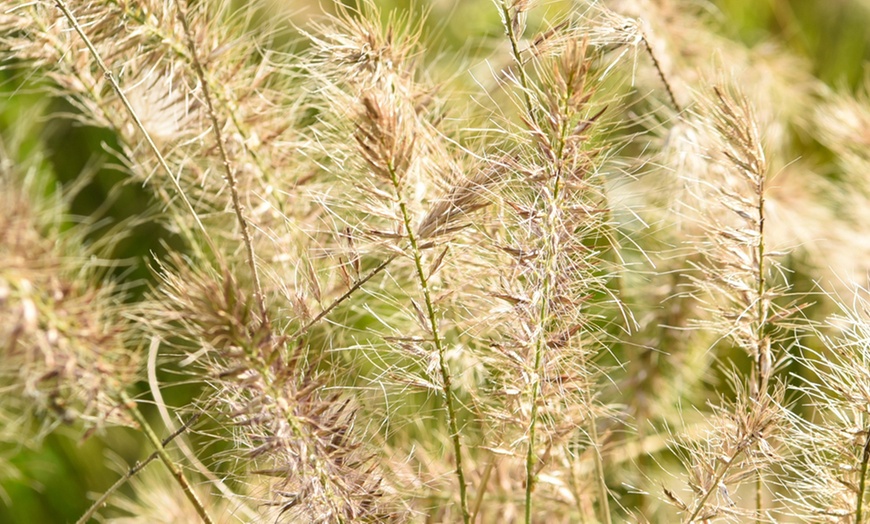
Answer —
566 209
737 282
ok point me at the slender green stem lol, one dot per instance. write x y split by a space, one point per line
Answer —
446 379
507 20
139 466
759 495
531 456
765 359
661 74
481 489
763 363
167 460
347 294
763 366
136 468
229 173
540 349
603 494
862 485
719 476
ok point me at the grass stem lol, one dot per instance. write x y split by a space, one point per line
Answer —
714 485
229 174
136 468
173 468
446 379
862 484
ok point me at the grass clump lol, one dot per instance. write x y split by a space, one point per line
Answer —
551 273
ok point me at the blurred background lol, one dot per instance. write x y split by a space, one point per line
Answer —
53 480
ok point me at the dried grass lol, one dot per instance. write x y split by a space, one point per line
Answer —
575 291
